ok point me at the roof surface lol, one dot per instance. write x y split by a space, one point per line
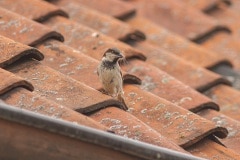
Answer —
181 79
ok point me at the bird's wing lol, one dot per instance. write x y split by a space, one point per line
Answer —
121 73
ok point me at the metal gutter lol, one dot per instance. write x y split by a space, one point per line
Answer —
93 136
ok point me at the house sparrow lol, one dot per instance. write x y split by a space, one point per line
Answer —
110 74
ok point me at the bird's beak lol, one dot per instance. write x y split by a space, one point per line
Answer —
120 56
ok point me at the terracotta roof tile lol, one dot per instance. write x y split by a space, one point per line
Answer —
176 17
211 150
11 81
87 40
11 51
203 58
101 22
225 45
66 81
63 26
126 125
78 13
195 76
221 42
24 99
23 30
163 116
226 16
155 34
115 8
66 91
45 76
176 72
70 62
230 73
161 37
204 5
39 10
163 85
227 98
226 12
233 5
233 126
74 64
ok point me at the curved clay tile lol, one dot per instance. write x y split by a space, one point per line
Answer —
114 8
62 89
165 117
11 51
165 39
89 41
10 81
35 10
100 22
232 125
21 98
23 30
126 125
163 85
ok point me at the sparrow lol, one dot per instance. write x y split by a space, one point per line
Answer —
110 75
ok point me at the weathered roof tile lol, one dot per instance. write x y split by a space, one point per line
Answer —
233 127
115 8
12 51
70 62
204 5
225 45
65 90
10 81
101 22
190 74
83 68
227 98
165 117
176 17
87 40
226 12
24 99
163 85
211 150
161 37
155 34
149 116
35 9
126 125
24 30
74 64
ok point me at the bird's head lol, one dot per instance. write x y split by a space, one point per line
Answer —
112 55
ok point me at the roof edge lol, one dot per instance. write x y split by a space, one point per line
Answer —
90 135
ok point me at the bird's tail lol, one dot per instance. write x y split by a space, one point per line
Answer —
121 99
